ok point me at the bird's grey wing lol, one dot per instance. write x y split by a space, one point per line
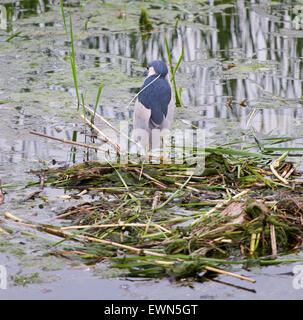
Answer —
171 111
141 116
170 114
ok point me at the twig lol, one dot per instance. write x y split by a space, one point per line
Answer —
219 205
189 124
229 273
3 231
110 125
273 239
114 225
293 169
252 244
8 215
32 195
35 193
155 181
209 268
189 188
250 116
156 200
66 214
275 164
102 119
68 252
69 141
101 133
82 193
79 209
64 234
41 186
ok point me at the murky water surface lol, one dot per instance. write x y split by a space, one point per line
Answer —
262 39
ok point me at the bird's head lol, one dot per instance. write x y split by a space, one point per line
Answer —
156 67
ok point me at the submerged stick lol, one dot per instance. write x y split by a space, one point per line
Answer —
213 269
229 273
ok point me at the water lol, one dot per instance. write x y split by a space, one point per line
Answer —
262 39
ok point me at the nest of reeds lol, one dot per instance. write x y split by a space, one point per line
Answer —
154 220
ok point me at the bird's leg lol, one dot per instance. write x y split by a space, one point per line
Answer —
163 147
147 153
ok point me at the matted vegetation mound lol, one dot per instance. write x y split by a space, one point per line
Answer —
155 220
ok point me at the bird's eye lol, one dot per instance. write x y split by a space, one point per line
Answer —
147 68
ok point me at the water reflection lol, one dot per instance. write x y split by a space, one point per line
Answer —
16 10
43 151
259 37
256 37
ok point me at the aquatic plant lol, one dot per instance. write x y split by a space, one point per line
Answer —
144 22
72 53
173 72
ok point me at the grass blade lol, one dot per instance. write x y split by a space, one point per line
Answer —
13 36
63 16
179 61
73 63
240 153
96 104
173 71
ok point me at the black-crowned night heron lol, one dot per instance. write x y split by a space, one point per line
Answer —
154 107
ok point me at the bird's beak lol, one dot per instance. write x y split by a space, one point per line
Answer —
145 73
